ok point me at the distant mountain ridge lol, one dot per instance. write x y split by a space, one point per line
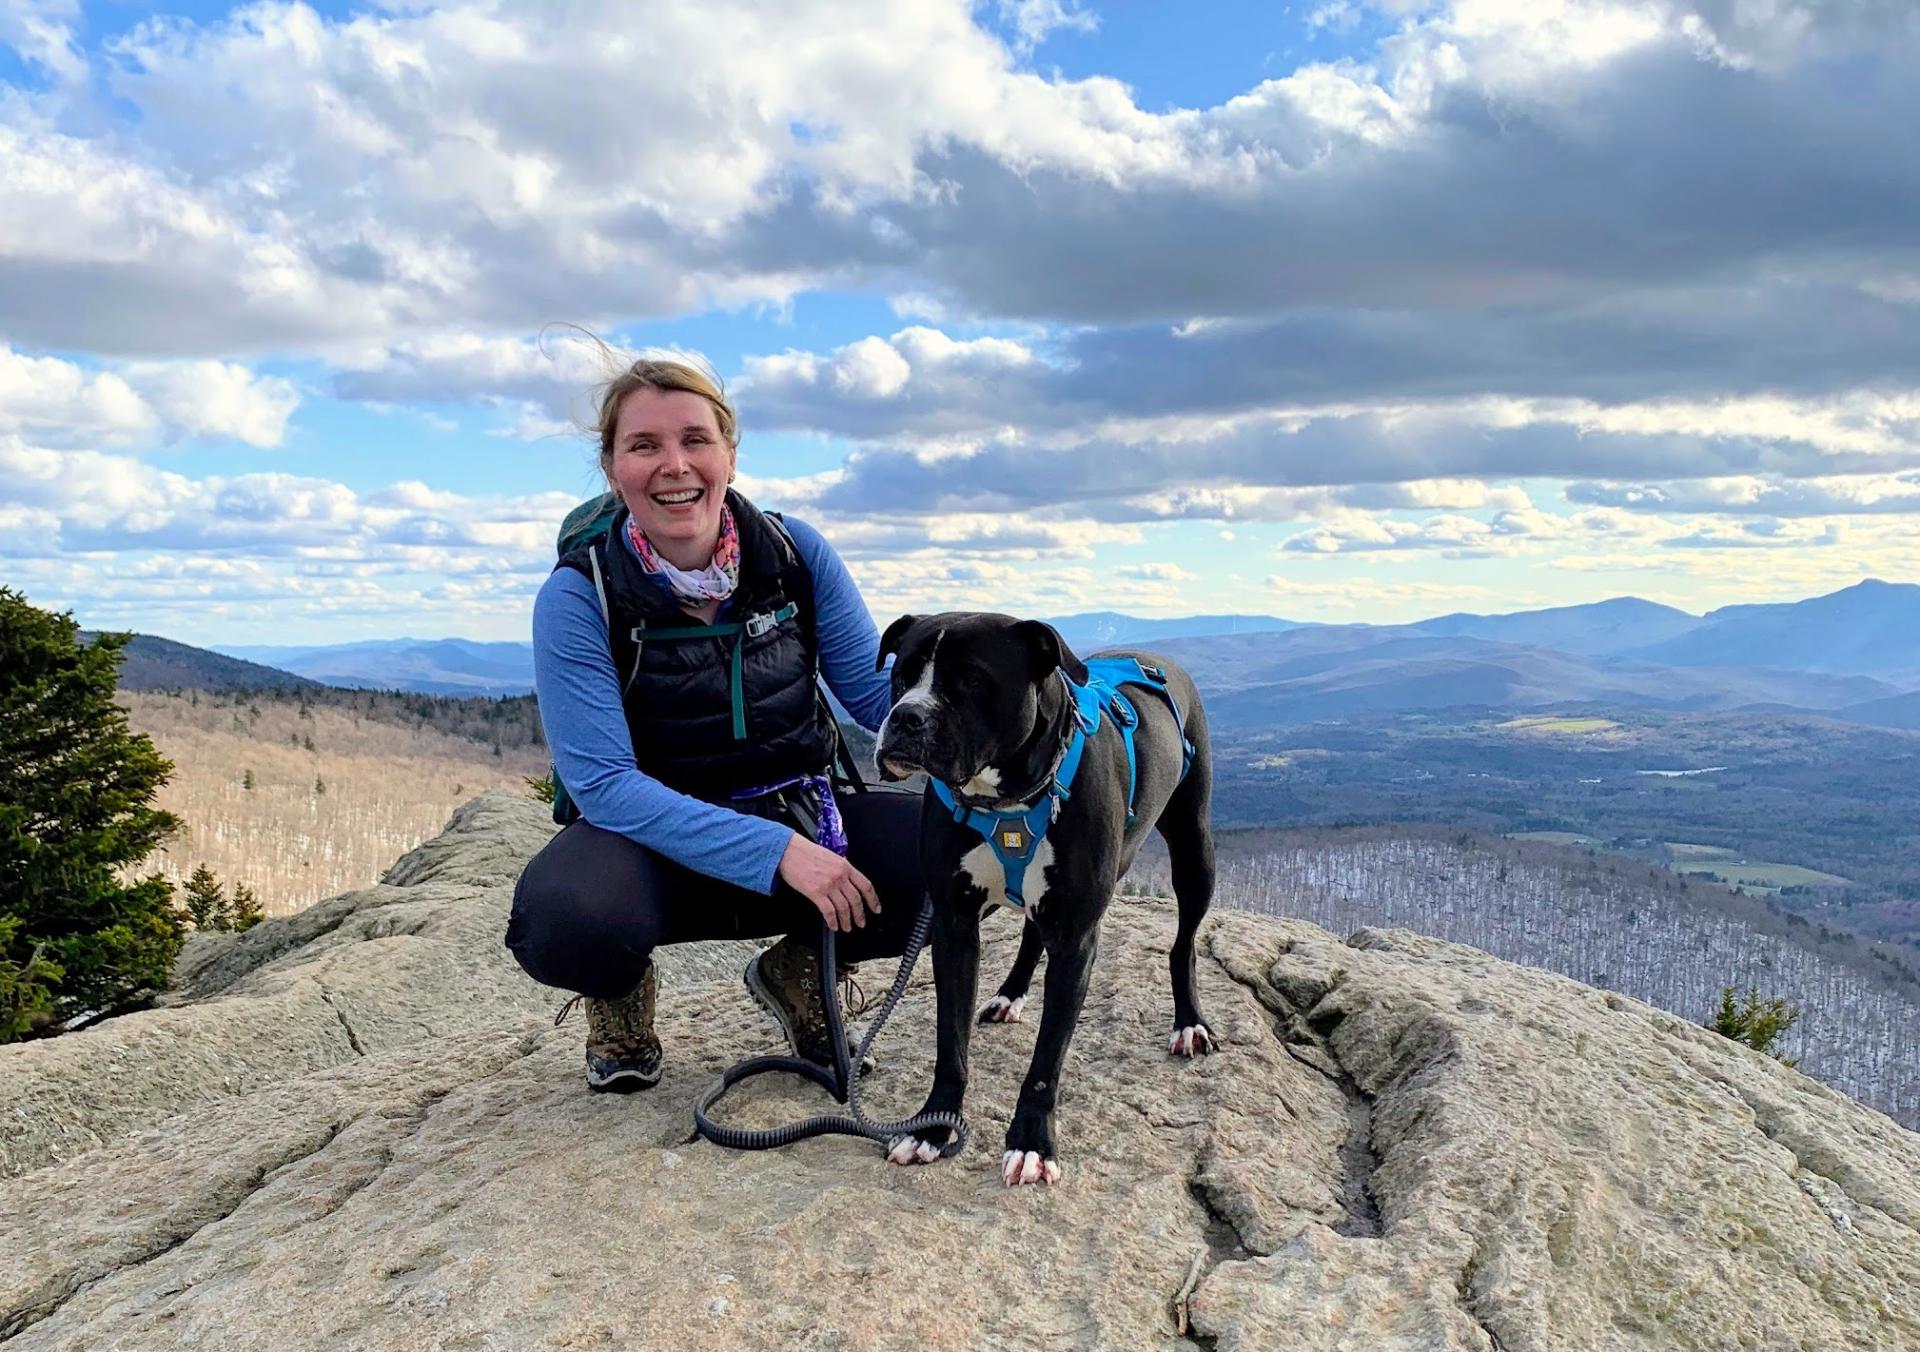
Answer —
1307 674
1600 629
1869 629
150 663
1852 654
446 666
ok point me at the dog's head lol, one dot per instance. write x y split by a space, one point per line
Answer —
968 690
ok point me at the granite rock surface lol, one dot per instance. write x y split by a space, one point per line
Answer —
358 1128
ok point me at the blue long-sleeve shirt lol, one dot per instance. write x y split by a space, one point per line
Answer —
580 708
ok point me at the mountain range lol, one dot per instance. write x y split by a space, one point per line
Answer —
441 666
152 663
1852 654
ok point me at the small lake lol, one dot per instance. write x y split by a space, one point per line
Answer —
1682 774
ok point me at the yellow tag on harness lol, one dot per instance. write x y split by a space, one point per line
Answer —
1013 839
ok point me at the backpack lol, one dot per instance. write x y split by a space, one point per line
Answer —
587 522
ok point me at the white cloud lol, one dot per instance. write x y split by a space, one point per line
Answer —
54 401
1370 596
870 369
48 398
1839 495
218 399
106 504
42 32
1033 20
410 168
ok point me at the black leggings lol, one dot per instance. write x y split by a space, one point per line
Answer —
592 906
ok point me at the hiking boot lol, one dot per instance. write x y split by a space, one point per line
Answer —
785 979
622 1052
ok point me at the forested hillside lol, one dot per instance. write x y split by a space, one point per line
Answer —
303 795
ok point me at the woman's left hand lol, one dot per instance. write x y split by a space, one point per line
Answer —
840 892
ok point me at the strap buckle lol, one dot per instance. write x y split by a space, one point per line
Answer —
757 625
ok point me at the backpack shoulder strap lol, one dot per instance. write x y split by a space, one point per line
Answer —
779 524
600 588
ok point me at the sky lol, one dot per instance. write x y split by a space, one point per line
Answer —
1343 310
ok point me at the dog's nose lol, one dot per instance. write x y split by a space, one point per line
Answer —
908 720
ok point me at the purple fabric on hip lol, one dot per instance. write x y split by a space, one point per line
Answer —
833 832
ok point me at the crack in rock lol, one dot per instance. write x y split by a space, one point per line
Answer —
1222 1236
1464 1292
1359 1162
340 1014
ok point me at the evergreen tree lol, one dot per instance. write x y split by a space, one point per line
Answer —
1758 1023
76 811
26 988
206 901
246 911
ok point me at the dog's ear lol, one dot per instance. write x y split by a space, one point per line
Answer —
1049 650
890 641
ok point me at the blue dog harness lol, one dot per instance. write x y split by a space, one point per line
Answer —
1014 834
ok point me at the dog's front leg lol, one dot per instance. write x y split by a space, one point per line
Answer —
1030 1156
956 975
1007 1002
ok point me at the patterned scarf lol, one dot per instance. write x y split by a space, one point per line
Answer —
694 588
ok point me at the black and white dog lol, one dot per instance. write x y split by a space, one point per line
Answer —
978 704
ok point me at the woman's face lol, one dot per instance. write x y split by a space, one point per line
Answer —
671 466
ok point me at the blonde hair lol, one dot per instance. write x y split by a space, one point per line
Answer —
654 371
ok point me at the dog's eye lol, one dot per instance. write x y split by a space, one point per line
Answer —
971 681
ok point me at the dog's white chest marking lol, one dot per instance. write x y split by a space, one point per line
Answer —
981 867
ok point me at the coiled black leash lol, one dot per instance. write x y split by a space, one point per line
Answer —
841 1081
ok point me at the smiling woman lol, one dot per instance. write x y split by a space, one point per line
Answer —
676 657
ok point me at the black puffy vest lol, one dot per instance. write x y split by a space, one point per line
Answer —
714 714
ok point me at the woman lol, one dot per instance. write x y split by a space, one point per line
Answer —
675 659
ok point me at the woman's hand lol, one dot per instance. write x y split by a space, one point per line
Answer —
838 890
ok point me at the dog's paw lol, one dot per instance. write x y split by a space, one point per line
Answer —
1001 1010
1019 1168
1196 1039
912 1150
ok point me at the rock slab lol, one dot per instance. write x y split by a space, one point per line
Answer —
359 1129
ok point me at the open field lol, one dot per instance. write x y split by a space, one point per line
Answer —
336 795
1758 875
1686 852
1702 863
1549 724
1557 838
